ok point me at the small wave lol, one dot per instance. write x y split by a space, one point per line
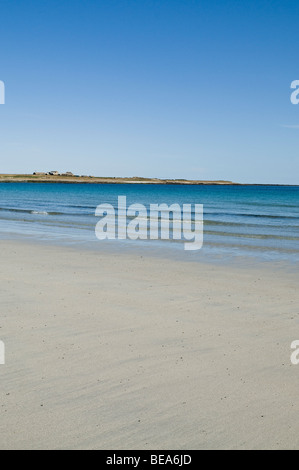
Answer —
9 209
29 211
258 216
39 212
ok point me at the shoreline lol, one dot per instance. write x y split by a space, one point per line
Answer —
143 354
169 253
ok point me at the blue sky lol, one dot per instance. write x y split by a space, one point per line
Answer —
194 89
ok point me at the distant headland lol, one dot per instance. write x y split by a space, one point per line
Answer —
69 177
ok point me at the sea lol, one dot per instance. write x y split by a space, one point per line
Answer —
260 222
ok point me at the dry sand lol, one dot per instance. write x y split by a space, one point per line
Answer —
124 352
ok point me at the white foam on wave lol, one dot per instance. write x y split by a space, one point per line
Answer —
39 212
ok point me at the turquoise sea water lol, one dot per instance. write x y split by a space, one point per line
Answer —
260 221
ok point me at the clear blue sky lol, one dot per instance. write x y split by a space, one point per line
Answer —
160 88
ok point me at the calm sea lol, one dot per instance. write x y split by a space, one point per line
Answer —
261 221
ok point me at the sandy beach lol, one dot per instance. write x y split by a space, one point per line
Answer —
131 352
